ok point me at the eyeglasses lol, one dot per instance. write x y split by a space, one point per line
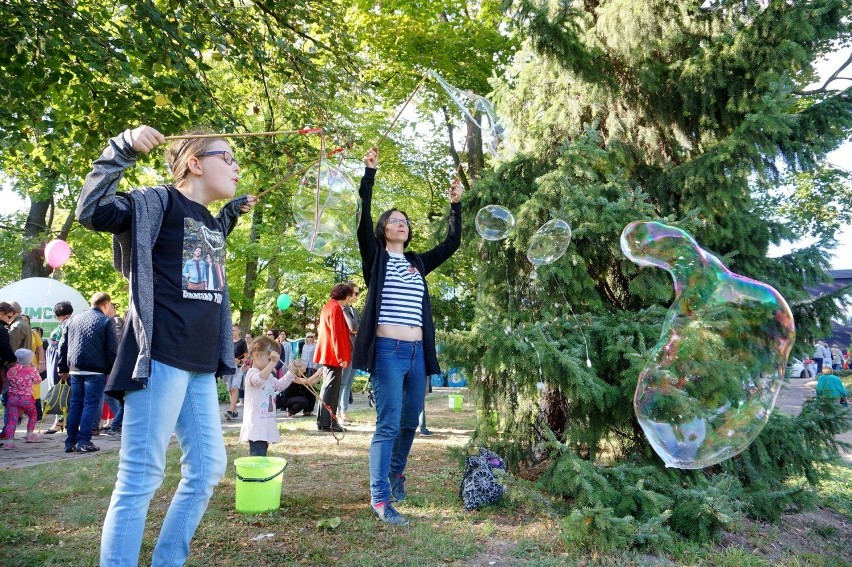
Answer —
270 335
309 336
227 157
400 222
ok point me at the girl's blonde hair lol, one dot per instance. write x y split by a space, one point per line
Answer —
263 344
179 152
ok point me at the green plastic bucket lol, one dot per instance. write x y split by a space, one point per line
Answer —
259 483
456 401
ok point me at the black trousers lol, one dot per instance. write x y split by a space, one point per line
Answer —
330 394
258 448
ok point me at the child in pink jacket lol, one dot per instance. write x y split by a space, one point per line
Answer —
21 377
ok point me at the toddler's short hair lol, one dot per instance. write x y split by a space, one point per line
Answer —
263 344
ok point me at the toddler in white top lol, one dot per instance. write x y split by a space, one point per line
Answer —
259 427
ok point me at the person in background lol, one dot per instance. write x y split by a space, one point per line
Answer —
334 352
299 396
831 387
353 319
308 351
7 356
396 338
836 358
22 376
87 352
62 311
234 382
39 363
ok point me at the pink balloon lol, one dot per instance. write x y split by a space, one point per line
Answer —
57 253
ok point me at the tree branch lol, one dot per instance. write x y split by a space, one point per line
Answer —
834 77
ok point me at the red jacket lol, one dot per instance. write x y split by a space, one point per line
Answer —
333 345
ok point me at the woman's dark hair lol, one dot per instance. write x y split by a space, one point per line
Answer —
341 291
63 308
382 223
6 307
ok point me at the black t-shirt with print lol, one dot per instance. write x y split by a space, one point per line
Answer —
188 278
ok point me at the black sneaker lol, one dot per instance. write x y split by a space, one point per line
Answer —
424 431
69 448
113 432
388 514
398 488
231 415
87 448
334 428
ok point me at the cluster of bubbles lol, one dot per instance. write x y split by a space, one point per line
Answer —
547 245
326 208
716 372
480 111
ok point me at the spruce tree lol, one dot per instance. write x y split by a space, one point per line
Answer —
694 114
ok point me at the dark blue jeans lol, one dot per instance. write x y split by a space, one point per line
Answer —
84 407
399 384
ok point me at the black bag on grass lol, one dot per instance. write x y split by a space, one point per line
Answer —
479 486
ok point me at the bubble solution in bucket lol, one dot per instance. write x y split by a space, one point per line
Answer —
259 483
456 401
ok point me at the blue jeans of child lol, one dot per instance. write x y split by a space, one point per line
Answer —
84 407
187 404
399 384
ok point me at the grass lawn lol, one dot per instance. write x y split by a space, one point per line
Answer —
53 513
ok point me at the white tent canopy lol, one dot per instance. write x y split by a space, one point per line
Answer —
37 296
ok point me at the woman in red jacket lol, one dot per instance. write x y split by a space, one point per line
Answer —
334 352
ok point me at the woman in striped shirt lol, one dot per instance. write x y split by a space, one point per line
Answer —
396 339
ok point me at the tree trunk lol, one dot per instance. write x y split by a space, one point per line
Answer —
32 262
249 288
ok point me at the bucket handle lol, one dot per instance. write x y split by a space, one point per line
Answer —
267 479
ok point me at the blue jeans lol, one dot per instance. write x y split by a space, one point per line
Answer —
177 401
84 407
399 384
346 388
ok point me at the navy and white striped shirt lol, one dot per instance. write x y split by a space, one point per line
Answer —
402 295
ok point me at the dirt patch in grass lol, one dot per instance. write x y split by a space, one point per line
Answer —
820 533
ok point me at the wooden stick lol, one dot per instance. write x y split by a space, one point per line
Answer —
245 134
398 114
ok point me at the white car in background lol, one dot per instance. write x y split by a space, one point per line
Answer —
797 369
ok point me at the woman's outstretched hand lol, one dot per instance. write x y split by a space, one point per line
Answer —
371 158
456 190
144 139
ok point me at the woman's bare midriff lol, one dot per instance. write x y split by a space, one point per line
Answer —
400 333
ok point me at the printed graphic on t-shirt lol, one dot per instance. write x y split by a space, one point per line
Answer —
204 261
267 400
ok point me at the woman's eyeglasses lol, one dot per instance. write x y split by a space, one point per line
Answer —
400 222
226 156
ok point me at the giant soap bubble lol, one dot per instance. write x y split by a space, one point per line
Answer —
494 222
478 110
549 242
326 208
717 370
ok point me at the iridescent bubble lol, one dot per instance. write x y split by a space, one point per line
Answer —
717 370
326 208
494 222
478 110
549 242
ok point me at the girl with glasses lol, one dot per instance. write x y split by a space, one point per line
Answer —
396 337
167 381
